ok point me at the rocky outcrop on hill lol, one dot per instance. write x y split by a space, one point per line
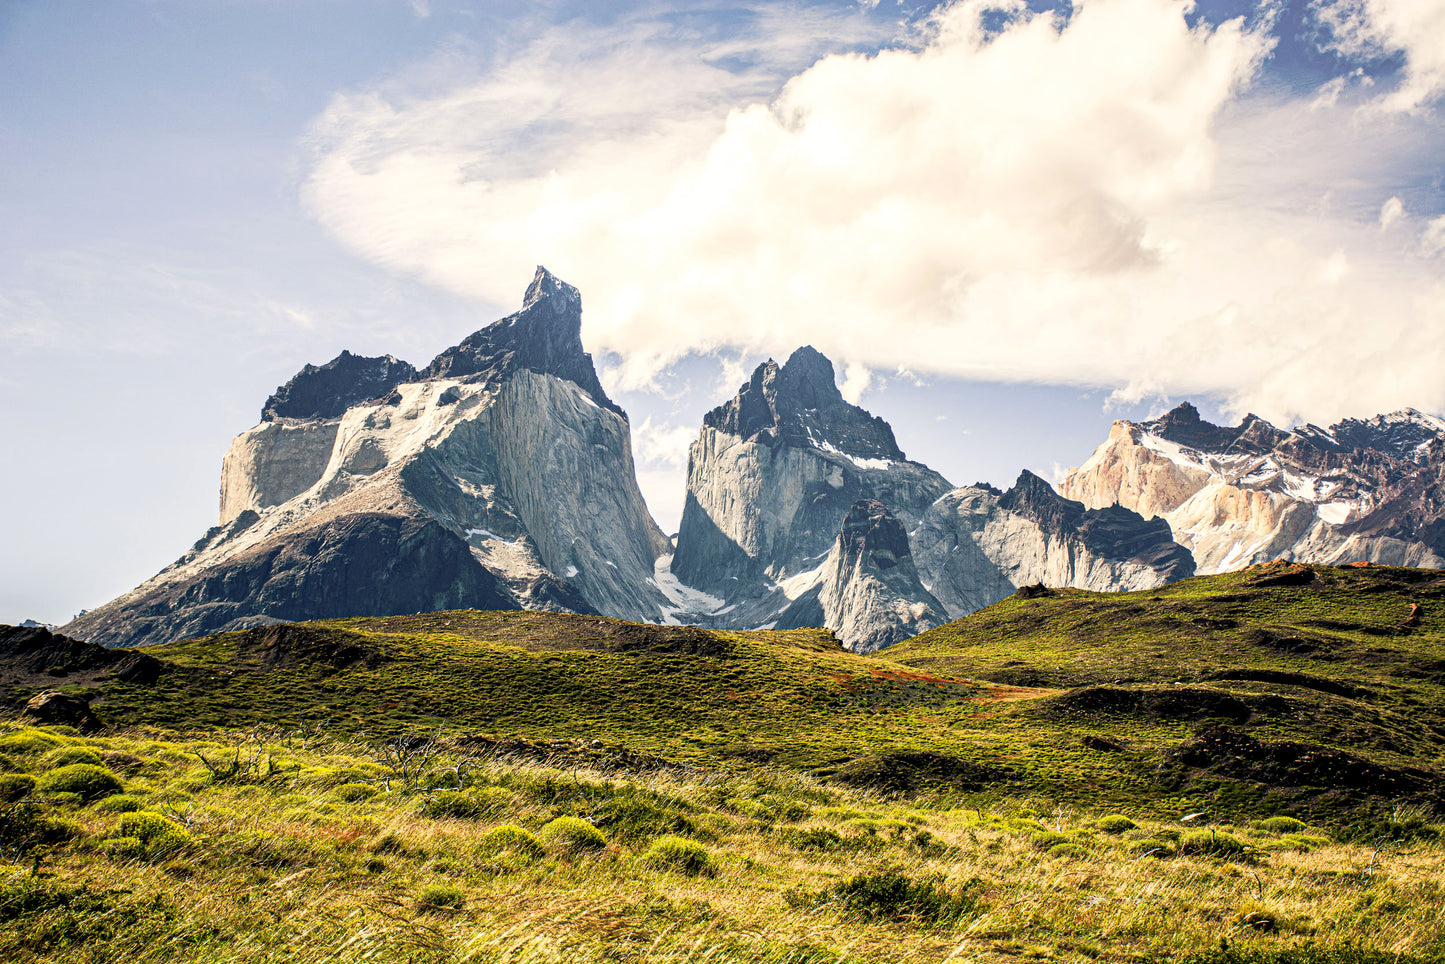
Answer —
500 477
32 656
1361 489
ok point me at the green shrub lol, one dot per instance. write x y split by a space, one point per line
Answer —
15 786
61 730
440 897
641 815
681 855
119 803
571 834
1281 825
1257 916
1212 843
1048 840
509 838
1068 850
29 742
1302 841
159 835
1115 823
68 755
1153 847
25 825
892 895
90 781
353 792
125 848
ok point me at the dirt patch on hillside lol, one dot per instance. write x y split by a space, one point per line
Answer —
299 644
1224 751
1284 678
910 772
1182 703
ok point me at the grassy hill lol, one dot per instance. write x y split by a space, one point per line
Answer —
1011 785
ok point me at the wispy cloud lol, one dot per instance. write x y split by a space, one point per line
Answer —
1411 29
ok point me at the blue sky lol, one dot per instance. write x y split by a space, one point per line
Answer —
1007 229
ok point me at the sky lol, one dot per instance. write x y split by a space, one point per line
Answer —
1008 224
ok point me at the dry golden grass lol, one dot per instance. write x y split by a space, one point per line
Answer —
285 870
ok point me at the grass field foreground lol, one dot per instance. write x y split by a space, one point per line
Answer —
275 844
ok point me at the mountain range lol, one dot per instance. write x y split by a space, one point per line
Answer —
500 476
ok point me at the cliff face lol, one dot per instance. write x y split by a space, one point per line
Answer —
801 511
977 545
870 594
501 477
774 472
1361 489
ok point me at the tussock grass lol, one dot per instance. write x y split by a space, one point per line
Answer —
285 868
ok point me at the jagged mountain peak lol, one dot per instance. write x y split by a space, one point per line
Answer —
1184 426
548 287
799 404
1406 433
545 336
1034 498
326 391
807 380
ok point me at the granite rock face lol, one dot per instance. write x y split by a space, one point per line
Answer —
976 545
801 511
1235 496
871 595
774 472
500 477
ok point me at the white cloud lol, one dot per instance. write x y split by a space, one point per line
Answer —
664 444
1414 29
1083 200
1432 242
856 380
1391 211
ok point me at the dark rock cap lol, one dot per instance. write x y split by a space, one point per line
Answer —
544 337
326 391
1183 425
799 404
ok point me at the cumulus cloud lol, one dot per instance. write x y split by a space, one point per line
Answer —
1003 194
1412 29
